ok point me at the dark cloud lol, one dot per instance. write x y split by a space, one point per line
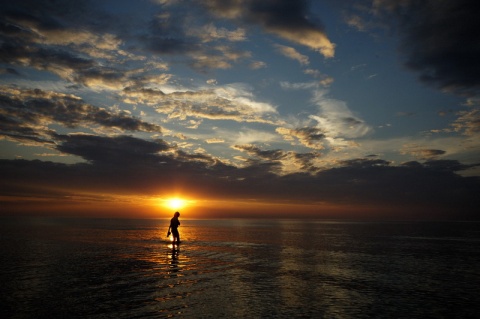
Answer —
432 153
28 112
262 162
447 165
288 19
70 39
426 153
81 43
101 75
305 161
184 31
440 40
147 167
120 150
279 161
268 155
365 163
165 45
118 165
54 14
168 35
312 137
434 186
350 121
11 71
42 58
66 62
70 64
200 159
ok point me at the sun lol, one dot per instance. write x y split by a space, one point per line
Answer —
175 203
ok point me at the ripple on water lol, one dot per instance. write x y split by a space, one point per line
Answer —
228 270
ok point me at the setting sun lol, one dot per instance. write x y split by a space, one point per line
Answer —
175 203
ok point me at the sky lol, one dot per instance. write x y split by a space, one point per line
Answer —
240 108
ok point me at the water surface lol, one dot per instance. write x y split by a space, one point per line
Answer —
100 268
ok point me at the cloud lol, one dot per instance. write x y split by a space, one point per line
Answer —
291 53
11 71
233 102
268 161
324 81
78 56
210 32
337 121
214 140
176 33
118 151
26 114
439 41
70 40
286 162
255 65
336 125
59 62
308 136
268 155
468 122
95 54
356 21
412 190
423 153
218 57
298 86
284 18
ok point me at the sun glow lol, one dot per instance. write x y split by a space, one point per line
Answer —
175 203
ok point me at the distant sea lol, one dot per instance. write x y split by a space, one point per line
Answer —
120 268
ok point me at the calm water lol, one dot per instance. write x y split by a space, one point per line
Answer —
64 268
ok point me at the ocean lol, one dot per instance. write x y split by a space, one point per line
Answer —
242 268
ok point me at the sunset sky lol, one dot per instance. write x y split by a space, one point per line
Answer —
270 108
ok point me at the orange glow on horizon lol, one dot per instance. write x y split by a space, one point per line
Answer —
134 206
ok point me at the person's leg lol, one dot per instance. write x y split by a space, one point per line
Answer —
176 236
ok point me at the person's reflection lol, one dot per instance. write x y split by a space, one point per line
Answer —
173 260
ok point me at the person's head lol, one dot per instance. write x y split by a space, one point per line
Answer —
177 214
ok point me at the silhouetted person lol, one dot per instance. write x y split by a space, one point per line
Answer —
174 223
